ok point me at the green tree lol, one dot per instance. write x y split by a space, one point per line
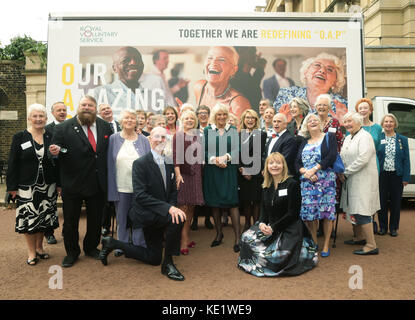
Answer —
19 45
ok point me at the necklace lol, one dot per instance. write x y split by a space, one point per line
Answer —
223 93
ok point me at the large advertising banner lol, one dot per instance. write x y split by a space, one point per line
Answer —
150 63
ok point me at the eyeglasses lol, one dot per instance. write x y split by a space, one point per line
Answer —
203 113
322 105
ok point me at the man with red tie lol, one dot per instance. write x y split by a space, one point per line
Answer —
80 145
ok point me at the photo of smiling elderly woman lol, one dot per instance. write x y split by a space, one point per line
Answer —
324 73
221 64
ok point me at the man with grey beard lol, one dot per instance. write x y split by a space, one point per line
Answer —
80 145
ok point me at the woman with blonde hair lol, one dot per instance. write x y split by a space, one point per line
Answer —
252 142
188 169
220 177
279 244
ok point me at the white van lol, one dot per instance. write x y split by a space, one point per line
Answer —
404 110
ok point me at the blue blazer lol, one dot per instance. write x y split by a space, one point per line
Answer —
402 162
328 154
142 146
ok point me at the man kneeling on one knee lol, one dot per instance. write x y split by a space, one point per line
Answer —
153 209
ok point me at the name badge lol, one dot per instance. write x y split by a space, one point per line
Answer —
383 141
332 130
282 193
26 145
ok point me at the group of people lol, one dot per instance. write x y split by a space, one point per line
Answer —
289 167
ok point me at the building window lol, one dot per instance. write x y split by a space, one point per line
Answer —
4 100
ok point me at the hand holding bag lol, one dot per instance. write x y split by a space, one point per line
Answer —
338 165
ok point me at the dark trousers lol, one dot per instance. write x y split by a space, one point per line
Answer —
72 205
154 240
390 189
107 213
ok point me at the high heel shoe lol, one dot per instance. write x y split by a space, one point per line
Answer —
236 248
43 256
325 254
191 244
184 252
217 242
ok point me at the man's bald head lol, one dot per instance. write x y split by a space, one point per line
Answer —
128 64
157 139
279 122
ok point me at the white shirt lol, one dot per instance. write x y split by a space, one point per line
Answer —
283 82
124 166
93 128
114 126
274 140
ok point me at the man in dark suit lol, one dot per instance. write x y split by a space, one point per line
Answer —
105 112
80 145
153 209
282 141
272 85
59 112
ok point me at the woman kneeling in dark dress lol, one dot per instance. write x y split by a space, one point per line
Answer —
279 244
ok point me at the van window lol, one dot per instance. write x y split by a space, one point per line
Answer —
405 113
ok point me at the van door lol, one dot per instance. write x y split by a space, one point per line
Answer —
404 111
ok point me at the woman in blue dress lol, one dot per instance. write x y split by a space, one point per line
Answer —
279 244
315 159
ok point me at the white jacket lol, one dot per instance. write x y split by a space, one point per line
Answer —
360 192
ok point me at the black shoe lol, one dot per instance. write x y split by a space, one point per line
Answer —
382 232
118 253
169 269
354 242
217 242
208 224
69 261
236 248
365 253
394 233
194 226
106 250
105 231
51 239
93 254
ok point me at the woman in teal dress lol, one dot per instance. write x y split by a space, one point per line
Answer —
365 108
220 182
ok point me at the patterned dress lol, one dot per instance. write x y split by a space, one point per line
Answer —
190 163
36 204
318 198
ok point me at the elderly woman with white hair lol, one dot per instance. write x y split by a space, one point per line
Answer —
324 73
221 64
395 173
31 179
360 192
124 148
315 160
220 177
